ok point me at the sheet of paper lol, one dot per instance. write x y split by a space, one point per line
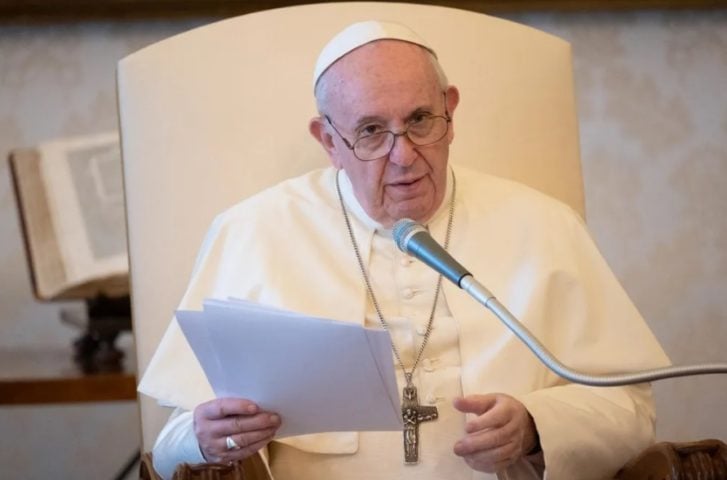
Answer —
320 375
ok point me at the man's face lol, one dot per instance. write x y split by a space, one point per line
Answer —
384 85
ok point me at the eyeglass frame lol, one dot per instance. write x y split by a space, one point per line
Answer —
352 146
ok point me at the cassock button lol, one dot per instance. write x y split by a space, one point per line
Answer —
427 365
422 330
408 293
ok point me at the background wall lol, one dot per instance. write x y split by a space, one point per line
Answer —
652 101
653 110
58 80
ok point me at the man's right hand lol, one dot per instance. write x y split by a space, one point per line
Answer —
238 418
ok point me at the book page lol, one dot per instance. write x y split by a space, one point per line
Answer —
83 179
47 271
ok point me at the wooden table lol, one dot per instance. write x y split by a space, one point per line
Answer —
51 376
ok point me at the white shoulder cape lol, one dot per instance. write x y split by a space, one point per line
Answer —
288 247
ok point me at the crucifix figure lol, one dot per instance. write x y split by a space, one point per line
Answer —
413 414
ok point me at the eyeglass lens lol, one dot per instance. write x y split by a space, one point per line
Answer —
422 132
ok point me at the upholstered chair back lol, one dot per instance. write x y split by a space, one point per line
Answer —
218 113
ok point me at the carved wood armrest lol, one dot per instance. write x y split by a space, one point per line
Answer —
706 459
252 468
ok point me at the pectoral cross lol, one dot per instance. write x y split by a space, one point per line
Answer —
413 414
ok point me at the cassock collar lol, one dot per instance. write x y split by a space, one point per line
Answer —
357 211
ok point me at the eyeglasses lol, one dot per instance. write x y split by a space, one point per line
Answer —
422 130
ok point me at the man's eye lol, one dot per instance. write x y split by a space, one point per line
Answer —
369 130
419 118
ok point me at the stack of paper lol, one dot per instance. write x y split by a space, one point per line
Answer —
320 375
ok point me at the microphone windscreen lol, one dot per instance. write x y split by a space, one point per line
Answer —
413 239
403 230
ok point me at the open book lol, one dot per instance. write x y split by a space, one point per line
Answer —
71 205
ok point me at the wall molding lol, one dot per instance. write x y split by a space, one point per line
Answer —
73 10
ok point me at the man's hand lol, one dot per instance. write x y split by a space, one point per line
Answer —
250 427
502 431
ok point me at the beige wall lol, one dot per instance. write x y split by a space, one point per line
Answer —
652 99
653 111
58 80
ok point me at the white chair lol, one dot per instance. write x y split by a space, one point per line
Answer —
215 114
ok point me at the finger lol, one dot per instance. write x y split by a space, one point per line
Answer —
244 423
489 456
499 416
219 453
243 453
485 440
223 407
248 439
477 404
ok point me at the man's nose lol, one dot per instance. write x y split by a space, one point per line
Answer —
404 151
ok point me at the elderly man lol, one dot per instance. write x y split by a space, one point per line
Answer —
385 120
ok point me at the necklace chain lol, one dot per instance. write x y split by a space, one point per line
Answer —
407 375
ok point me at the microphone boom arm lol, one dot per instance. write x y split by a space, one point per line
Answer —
487 299
413 239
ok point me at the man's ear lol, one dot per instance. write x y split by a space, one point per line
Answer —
318 129
452 102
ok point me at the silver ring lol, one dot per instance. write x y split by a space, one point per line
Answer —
231 444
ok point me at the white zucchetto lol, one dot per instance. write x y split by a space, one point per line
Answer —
359 34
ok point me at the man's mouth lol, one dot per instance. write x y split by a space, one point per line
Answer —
405 182
406 188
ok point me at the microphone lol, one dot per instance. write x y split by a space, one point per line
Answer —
414 239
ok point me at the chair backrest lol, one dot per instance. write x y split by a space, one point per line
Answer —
215 114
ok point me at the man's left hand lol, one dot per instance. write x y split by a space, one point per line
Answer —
502 431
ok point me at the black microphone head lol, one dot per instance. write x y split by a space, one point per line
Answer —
403 230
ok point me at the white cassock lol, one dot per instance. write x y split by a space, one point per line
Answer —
288 247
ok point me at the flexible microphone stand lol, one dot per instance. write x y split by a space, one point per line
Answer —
413 239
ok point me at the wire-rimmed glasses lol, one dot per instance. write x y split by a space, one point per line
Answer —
422 130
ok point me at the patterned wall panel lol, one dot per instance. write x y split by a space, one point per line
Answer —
653 111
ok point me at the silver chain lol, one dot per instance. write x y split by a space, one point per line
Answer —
407 375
